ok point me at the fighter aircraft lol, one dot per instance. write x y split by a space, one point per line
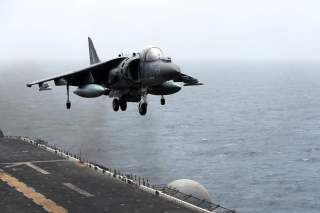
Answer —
126 78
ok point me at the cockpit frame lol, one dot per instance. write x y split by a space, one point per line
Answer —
153 54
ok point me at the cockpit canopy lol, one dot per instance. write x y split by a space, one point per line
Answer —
153 54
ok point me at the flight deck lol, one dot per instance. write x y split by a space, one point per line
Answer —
35 180
35 177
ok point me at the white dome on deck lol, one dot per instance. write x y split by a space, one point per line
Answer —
190 187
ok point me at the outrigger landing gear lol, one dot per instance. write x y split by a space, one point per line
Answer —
68 104
115 104
162 100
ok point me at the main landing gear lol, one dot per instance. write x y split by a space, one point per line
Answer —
68 104
115 105
123 105
119 103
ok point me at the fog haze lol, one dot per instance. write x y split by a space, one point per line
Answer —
214 30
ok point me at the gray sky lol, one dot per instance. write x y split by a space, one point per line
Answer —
212 29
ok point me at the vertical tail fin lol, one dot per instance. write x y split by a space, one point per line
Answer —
92 52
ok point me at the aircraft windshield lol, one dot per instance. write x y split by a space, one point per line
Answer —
154 54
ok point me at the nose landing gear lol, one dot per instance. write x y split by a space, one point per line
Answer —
143 108
143 105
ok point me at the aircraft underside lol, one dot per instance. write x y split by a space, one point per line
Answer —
122 96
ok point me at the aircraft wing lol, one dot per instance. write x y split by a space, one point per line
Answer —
187 80
96 73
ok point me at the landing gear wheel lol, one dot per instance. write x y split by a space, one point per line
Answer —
143 108
115 105
123 105
68 105
162 101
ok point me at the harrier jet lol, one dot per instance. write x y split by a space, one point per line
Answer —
126 78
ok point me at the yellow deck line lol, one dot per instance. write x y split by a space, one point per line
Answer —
28 192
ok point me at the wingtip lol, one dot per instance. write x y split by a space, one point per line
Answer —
28 85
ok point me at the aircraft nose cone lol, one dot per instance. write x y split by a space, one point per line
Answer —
169 71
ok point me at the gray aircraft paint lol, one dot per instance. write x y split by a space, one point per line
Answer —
127 78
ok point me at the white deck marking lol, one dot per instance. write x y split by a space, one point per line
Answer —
12 165
28 192
77 189
36 161
37 168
